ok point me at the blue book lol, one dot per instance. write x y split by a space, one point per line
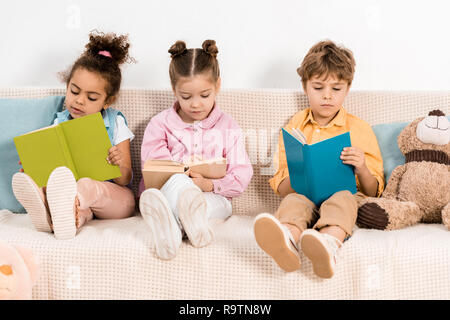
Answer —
316 170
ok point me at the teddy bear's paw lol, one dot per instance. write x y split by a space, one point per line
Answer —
372 216
386 214
446 216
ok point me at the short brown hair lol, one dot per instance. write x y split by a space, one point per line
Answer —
326 58
104 54
190 62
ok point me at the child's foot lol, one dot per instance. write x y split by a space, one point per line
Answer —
81 215
191 208
321 249
61 193
32 198
276 240
166 233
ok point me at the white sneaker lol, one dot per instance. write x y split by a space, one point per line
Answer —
61 193
277 241
32 198
321 249
191 209
166 233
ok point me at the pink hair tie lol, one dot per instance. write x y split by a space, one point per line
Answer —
105 53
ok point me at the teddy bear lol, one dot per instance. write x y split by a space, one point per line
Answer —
18 272
419 190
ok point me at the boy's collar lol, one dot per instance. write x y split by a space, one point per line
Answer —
338 120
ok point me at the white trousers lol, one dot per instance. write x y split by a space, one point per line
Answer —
217 206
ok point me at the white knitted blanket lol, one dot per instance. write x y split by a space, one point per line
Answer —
114 259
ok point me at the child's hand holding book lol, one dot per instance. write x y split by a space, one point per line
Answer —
115 156
118 156
203 183
354 156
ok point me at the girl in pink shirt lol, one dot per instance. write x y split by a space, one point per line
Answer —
193 128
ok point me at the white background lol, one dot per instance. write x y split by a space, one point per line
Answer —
398 44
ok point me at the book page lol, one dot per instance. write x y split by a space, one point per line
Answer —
157 172
156 163
211 169
37 130
173 169
299 135
196 162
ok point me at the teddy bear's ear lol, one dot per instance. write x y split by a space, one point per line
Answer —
30 261
407 140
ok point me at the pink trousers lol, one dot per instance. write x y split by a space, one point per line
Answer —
103 200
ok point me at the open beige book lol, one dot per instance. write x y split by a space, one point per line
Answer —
157 172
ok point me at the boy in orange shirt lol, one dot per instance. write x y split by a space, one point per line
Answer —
327 73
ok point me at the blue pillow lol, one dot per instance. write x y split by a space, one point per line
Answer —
18 116
387 134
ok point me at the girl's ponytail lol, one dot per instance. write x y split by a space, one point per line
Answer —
104 54
190 62
209 46
177 49
110 46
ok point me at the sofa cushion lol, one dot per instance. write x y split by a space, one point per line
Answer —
18 116
387 134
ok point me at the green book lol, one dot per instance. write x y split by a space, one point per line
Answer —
80 144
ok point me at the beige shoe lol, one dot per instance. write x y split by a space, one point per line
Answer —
61 193
165 231
321 249
32 198
277 241
191 208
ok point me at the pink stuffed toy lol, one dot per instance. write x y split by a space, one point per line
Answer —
18 272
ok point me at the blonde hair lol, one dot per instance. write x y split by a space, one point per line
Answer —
190 62
326 58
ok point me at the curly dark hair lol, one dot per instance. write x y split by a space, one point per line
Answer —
104 54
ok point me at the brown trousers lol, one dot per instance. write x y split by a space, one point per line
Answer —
340 210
